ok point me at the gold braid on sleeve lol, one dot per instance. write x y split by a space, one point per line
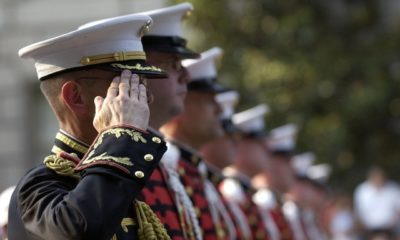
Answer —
150 227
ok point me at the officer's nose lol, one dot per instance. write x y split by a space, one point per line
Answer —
184 76
218 107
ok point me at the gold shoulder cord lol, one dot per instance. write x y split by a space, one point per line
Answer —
61 166
150 227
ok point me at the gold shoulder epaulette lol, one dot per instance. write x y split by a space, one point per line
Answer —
61 165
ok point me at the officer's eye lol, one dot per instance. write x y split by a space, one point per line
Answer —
175 65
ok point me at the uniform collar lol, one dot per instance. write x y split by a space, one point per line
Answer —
69 144
243 179
155 132
214 174
187 153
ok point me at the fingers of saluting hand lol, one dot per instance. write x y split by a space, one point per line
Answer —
124 85
142 94
134 91
113 89
98 102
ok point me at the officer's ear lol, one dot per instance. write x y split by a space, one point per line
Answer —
71 93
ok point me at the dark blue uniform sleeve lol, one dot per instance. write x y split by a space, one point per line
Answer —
47 205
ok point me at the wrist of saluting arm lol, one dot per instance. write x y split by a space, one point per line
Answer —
129 150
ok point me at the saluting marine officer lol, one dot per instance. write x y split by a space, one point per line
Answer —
235 187
86 187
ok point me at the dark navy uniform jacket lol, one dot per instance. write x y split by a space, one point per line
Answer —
92 198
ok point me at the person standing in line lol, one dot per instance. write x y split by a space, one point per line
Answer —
236 186
282 143
342 219
307 197
251 162
188 132
276 177
87 187
166 48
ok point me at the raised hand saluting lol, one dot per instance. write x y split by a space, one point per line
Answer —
125 104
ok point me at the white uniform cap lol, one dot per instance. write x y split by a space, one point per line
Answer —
113 43
302 162
5 198
283 139
203 68
203 72
166 35
168 21
227 100
251 120
319 172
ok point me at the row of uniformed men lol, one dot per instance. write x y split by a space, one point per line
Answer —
217 180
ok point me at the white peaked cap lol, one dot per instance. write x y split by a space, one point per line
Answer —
283 138
302 162
168 21
203 68
319 172
5 198
251 120
112 40
227 100
166 32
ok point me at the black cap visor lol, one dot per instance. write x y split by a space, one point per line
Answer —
139 67
206 85
174 44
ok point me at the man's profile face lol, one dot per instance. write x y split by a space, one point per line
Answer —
253 152
282 167
202 111
221 151
168 93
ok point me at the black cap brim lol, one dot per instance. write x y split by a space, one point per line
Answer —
229 127
173 44
140 67
317 184
206 85
254 134
287 154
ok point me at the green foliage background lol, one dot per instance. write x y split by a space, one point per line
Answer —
332 69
